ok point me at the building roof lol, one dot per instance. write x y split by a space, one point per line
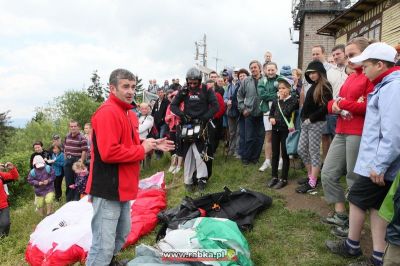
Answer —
358 9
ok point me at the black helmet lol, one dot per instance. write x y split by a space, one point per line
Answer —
193 73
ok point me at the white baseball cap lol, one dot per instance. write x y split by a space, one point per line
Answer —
378 50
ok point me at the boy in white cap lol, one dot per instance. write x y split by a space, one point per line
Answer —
378 159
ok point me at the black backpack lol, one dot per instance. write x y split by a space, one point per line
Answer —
240 206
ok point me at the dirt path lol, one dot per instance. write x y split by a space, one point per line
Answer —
316 203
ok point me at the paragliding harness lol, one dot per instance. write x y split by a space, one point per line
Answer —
240 206
196 129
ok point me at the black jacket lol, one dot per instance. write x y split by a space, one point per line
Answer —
158 113
200 103
312 110
288 107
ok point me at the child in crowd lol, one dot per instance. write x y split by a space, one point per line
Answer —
280 113
42 177
57 162
81 177
172 122
5 176
313 121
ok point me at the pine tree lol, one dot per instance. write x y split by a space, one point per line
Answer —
96 90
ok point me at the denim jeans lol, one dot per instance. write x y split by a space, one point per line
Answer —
4 221
242 131
111 224
254 138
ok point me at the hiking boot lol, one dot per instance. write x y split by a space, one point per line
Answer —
266 164
339 247
302 181
305 188
202 184
281 183
363 262
272 182
189 188
336 219
341 231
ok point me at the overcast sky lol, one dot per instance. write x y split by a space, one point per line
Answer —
48 47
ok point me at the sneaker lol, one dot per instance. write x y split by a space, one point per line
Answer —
280 165
266 164
272 182
340 231
336 219
171 168
176 170
339 247
363 262
202 184
302 181
305 188
281 183
115 262
189 188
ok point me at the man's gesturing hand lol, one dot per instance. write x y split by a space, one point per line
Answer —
149 145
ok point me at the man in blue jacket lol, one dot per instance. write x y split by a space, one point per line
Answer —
379 156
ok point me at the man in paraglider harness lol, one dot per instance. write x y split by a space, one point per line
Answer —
200 105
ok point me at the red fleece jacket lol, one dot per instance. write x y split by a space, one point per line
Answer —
354 92
11 175
116 152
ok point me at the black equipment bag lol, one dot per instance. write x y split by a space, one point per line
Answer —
240 206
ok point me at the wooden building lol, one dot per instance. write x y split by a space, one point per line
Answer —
373 19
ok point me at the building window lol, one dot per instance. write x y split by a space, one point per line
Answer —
375 30
370 31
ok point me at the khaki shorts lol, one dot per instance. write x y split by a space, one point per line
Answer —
392 255
49 198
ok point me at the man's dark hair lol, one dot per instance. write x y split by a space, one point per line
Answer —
213 72
255 62
320 46
338 47
38 142
386 63
243 70
270 63
120 73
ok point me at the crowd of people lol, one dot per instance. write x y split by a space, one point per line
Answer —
346 108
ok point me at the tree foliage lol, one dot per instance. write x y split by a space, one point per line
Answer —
77 105
96 90
6 131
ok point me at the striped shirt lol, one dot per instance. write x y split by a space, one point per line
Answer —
74 146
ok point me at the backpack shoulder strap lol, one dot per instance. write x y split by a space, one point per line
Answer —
32 172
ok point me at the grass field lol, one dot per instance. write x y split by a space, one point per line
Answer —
280 236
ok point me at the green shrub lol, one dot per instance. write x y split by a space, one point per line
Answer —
20 189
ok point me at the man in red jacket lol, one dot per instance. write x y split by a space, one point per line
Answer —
114 169
11 175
